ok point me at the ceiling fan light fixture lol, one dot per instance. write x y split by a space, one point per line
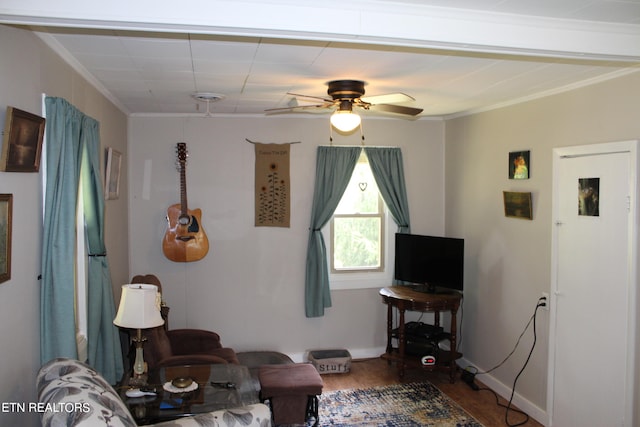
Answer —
345 120
208 96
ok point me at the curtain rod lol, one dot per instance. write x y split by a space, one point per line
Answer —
258 142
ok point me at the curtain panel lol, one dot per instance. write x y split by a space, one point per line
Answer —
388 171
57 296
334 166
72 146
103 350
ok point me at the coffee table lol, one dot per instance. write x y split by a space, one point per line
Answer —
220 386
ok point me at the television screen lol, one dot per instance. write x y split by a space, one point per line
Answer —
437 262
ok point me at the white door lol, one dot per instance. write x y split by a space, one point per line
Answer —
591 344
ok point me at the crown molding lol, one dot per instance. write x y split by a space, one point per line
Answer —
566 88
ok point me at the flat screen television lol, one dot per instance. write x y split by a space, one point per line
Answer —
434 264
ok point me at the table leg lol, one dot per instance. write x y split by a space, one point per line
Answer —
453 343
389 331
401 344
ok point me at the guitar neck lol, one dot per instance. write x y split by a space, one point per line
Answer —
183 192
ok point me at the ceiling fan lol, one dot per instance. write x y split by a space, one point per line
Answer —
346 94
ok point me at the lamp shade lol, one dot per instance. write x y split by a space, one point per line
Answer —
139 307
345 120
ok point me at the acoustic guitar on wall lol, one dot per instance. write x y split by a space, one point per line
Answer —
185 239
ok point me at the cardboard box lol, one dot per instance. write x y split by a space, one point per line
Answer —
331 361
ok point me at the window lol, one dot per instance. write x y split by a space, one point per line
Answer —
360 235
357 226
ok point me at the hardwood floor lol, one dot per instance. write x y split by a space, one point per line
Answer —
375 372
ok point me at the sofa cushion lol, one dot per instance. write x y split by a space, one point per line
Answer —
78 395
257 415
74 394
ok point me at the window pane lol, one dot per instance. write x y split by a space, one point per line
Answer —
361 195
356 243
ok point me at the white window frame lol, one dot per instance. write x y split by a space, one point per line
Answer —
366 280
379 214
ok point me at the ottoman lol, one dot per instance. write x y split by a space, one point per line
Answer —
292 391
254 359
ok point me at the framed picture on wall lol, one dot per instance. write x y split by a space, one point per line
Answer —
112 180
6 209
517 204
22 142
519 164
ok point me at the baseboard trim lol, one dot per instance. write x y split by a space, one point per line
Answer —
356 353
533 410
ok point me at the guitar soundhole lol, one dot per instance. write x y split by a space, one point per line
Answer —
184 220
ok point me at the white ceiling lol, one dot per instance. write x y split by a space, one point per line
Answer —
452 56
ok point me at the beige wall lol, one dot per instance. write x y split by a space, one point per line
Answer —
250 287
508 260
28 68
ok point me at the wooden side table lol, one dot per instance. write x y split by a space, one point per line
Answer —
411 298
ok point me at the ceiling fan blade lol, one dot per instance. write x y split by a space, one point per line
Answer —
397 109
297 95
306 108
390 98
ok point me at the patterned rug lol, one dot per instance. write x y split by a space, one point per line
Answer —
413 404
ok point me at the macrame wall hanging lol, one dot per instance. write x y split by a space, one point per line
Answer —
272 184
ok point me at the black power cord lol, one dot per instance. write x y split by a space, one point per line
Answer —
470 372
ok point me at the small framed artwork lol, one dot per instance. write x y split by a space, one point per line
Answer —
517 204
589 196
22 142
519 164
6 209
112 181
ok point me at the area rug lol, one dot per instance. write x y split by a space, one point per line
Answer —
414 404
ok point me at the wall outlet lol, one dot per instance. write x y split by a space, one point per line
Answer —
547 301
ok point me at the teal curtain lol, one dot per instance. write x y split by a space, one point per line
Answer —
388 171
103 351
72 146
334 166
57 294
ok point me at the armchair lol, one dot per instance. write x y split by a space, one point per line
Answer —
185 347
181 346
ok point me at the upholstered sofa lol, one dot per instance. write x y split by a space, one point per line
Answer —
74 394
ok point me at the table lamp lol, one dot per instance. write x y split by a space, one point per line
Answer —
139 309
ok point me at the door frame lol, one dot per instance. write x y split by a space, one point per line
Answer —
559 154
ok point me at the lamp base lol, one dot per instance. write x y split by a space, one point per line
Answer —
138 380
139 365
